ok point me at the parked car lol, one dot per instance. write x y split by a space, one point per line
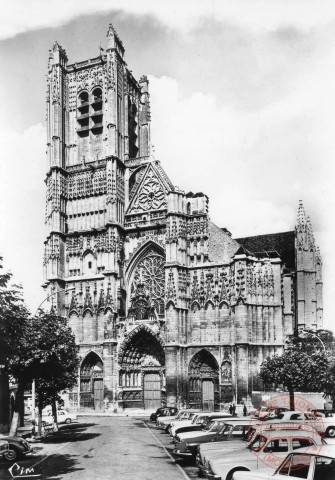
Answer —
324 425
17 447
182 422
318 465
234 435
186 444
4 445
63 416
198 423
253 457
165 423
274 412
163 412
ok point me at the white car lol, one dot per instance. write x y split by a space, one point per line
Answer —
265 452
318 465
324 425
63 416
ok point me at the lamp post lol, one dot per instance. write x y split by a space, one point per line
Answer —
33 386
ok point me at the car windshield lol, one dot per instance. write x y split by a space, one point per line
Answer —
195 418
179 416
296 466
209 426
201 420
280 416
225 428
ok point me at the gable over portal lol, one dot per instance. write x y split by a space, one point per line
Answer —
150 192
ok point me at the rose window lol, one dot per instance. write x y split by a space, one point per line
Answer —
147 289
152 196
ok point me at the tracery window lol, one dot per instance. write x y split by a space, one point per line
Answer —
147 288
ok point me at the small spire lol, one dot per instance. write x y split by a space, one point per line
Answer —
301 219
114 40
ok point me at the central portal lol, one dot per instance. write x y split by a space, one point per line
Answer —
152 391
142 372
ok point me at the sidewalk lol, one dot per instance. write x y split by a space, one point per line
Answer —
126 413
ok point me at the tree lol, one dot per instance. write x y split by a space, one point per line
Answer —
53 359
301 367
13 320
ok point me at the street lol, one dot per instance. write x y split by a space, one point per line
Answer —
99 448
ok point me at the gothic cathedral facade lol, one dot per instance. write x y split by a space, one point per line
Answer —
166 307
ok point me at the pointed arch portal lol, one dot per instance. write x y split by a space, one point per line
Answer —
91 383
142 371
203 373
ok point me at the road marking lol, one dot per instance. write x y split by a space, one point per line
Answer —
167 452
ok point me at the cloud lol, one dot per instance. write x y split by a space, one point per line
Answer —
22 199
20 16
255 165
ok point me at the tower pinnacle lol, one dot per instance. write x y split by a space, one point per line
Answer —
114 41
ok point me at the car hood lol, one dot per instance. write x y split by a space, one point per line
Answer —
165 419
185 436
234 454
221 446
11 439
182 423
219 461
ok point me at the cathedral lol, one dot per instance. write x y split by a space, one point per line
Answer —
166 306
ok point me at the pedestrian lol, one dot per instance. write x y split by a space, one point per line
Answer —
234 409
245 410
231 409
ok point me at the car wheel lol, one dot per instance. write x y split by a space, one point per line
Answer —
10 455
330 432
68 420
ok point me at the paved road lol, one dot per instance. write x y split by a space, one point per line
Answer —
100 448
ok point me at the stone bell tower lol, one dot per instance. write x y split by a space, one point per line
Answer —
98 119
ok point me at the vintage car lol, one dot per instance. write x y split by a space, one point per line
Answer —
63 416
198 423
182 422
263 453
186 444
311 465
324 425
163 412
234 435
165 423
17 447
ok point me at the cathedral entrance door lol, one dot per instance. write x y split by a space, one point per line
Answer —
98 392
208 395
152 391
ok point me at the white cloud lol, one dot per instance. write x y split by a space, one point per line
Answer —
231 156
19 16
22 196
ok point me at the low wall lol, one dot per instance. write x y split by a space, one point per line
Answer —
281 399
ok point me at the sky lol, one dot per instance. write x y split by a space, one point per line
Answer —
242 102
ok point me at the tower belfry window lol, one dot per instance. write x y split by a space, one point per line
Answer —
96 114
83 116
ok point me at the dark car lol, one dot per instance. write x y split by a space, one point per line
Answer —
17 447
163 412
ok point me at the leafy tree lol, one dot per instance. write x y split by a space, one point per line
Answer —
13 320
304 366
53 359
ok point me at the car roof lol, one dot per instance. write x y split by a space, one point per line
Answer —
247 421
287 433
323 450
